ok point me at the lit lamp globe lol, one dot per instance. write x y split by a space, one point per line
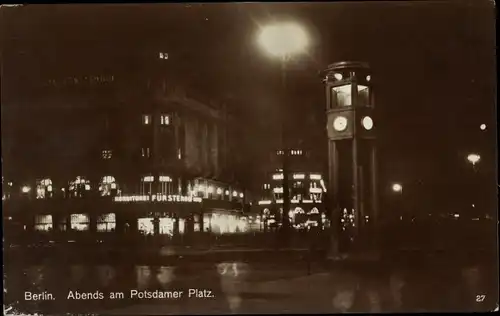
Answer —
473 158
396 187
282 39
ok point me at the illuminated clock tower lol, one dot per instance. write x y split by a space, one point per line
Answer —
351 127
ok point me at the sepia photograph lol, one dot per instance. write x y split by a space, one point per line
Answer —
249 158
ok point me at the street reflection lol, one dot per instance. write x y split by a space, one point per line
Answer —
143 277
165 276
106 275
232 279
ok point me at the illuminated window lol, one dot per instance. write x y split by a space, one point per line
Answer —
342 96
207 222
146 152
165 119
79 186
267 186
148 179
278 190
278 176
315 176
163 55
106 154
106 222
363 95
146 226
43 223
196 226
80 222
182 225
44 188
146 119
167 226
107 185
165 179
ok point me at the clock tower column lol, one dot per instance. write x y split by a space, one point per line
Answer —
352 155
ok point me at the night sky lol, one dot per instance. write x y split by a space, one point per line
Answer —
433 66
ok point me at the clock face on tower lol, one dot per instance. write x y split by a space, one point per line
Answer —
340 123
367 123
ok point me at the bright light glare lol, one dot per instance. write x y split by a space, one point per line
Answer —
482 127
25 189
396 187
473 158
283 39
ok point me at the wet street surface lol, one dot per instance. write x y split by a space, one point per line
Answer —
272 283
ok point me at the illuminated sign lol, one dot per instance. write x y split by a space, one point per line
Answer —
298 176
158 198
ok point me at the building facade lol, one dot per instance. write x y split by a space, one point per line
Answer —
307 192
122 152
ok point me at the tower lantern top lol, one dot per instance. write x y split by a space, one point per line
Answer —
345 69
347 65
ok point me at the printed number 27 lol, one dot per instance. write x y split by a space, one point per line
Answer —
480 298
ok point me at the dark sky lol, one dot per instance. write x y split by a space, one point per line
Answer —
433 65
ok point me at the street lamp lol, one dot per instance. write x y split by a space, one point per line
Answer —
473 159
482 127
283 40
397 187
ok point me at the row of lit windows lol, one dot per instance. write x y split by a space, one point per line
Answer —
76 188
298 176
293 152
296 184
81 80
165 119
162 184
312 189
78 222
146 152
212 190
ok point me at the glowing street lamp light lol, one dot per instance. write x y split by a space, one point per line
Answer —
283 39
473 159
25 189
482 127
397 187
